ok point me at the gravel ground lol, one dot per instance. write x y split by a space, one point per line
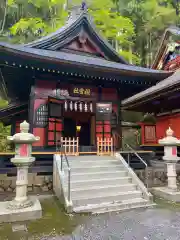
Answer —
144 224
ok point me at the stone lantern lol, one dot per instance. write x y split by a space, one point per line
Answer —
21 208
22 159
170 158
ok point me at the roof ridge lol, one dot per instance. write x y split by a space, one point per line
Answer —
68 23
71 29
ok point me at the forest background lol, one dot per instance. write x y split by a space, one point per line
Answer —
133 26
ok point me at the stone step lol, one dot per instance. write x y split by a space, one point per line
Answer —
93 164
106 189
105 197
96 175
91 160
99 182
126 206
94 158
90 169
114 207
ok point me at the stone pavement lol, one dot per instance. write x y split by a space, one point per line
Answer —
144 224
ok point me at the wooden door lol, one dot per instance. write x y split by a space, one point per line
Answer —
103 129
103 120
55 121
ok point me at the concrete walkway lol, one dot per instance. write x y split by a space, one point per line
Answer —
144 224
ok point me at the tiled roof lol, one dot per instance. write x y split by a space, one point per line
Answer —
92 62
161 86
12 109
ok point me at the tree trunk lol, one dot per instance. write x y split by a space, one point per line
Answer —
143 52
4 17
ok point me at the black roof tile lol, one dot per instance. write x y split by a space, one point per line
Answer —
88 61
159 87
12 108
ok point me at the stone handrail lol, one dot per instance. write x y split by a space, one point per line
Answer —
147 195
58 182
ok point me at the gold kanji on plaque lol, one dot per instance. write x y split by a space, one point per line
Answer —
81 91
87 92
76 90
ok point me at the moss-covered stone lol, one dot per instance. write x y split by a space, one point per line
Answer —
162 203
54 222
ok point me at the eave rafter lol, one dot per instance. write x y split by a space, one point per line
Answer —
71 73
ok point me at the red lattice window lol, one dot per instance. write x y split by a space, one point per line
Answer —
41 116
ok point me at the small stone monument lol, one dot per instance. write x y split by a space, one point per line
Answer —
170 192
22 208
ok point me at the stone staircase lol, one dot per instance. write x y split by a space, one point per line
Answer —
103 184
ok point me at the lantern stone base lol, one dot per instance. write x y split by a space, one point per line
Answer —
166 193
17 215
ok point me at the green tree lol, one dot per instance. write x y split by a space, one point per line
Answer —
114 26
4 131
135 25
131 116
175 4
150 19
28 20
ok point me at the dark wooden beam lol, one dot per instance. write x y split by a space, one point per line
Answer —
31 108
119 125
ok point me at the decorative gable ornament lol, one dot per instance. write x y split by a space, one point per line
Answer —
80 107
91 107
62 93
75 106
85 107
65 105
71 106
82 38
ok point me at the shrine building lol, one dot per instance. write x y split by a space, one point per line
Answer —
69 84
162 99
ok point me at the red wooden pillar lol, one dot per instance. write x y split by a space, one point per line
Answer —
142 133
17 127
99 129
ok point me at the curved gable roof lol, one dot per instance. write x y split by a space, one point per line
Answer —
77 22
